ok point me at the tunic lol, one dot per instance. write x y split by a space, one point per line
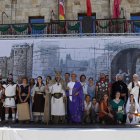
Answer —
10 93
39 100
57 104
134 90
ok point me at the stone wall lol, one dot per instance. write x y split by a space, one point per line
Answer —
19 11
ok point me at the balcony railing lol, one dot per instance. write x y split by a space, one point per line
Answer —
72 27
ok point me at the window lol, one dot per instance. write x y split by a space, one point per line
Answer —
83 17
136 24
36 20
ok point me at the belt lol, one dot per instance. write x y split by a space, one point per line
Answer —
39 92
9 96
23 94
57 95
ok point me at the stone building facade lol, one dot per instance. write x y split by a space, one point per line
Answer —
19 63
17 11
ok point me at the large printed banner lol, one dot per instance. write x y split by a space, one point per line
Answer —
83 55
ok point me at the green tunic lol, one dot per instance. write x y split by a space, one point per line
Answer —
117 108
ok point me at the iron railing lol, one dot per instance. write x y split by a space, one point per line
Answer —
72 27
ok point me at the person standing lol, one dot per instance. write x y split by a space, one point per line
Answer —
91 88
24 91
134 87
2 90
47 108
120 86
84 84
32 86
10 97
58 111
39 100
76 100
102 87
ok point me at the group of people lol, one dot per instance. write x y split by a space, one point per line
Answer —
72 99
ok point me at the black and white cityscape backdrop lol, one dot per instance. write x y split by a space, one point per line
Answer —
84 55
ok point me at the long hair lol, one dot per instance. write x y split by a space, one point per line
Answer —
41 81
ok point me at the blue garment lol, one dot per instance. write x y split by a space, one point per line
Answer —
76 106
91 91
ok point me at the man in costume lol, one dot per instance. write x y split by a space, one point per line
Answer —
10 97
102 87
58 111
76 100
84 84
120 86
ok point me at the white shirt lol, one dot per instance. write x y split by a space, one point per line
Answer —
10 90
87 106
84 86
134 90
71 86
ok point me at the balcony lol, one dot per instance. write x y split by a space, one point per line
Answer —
98 26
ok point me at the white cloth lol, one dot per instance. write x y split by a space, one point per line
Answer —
85 86
134 90
71 86
10 90
87 107
95 107
57 105
135 119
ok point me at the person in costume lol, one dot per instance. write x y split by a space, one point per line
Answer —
102 87
39 100
10 97
134 87
117 106
120 86
132 110
58 111
76 100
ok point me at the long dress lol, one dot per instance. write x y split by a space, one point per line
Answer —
47 104
39 101
132 109
76 102
117 108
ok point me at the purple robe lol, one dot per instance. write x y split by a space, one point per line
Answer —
76 106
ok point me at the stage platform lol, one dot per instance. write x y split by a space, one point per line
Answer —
71 132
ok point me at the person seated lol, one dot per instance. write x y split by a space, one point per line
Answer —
87 109
117 106
132 110
105 114
95 110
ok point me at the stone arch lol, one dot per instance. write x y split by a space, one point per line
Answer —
125 60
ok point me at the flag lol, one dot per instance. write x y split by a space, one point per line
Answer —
116 9
61 10
89 9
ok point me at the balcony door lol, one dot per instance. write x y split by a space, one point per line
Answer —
136 25
88 23
34 21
